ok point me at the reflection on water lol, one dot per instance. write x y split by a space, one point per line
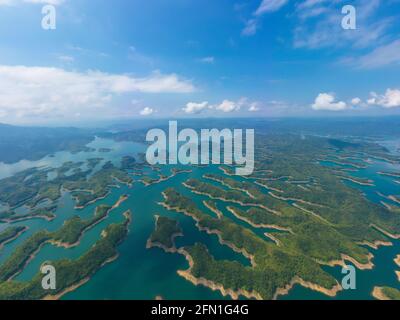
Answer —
118 150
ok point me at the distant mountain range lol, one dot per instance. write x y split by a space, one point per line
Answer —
33 143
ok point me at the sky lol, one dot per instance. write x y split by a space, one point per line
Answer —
119 59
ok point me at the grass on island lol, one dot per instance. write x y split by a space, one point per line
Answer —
166 229
68 272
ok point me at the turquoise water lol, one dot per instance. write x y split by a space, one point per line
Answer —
140 273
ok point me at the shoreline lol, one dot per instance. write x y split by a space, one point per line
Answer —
213 232
361 266
235 295
81 207
397 260
375 245
15 237
370 183
258 226
205 176
150 244
72 288
165 178
231 200
80 283
386 233
378 294
312 286
60 244
215 210
296 200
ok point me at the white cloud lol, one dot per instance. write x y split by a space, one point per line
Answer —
391 99
254 107
54 92
250 28
147 111
67 59
266 6
209 60
355 101
388 54
326 101
327 31
269 6
228 106
195 108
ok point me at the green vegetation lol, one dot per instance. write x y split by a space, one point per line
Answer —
33 186
166 230
73 228
69 272
18 143
128 162
391 293
93 162
10 234
98 185
272 267
41 213
22 255
68 235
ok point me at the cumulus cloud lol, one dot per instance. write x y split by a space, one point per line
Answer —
355 101
228 106
147 111
391 99
254 107
326 101
29 91
195 108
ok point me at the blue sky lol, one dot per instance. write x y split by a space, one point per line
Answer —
206 58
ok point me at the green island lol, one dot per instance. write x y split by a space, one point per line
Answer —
33 186
273 268
293 194
67 236
46 213
87 191
70 273
164 234
72 230
10 234
386 293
